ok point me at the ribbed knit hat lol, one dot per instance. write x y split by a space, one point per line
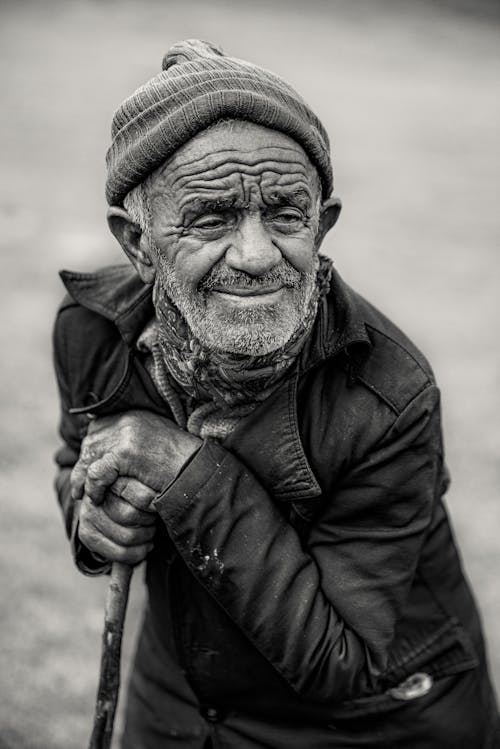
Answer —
197 86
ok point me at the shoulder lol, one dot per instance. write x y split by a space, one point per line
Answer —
87 345
390 365
374 386
108 303
395 369
81 334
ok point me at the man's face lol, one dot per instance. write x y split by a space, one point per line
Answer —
234 216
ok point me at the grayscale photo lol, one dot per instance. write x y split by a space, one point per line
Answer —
250 374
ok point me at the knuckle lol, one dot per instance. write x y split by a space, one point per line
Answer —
125 452
86 509
127 445
94 472
87 450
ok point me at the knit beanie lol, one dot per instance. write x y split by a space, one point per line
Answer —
198 86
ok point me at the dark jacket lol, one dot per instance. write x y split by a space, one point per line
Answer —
305 566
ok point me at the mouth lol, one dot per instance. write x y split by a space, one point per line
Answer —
248 294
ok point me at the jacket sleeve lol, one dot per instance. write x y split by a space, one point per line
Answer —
322 612
72 429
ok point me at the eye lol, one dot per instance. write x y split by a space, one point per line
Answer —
288 214
210 221
286 217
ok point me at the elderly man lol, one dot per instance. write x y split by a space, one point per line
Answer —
238 416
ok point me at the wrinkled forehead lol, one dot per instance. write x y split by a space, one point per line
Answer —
238 155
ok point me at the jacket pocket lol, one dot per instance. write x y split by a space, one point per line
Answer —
443 651
415 668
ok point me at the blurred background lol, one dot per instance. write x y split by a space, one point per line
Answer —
409 94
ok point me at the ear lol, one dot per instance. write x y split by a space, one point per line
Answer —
329 213
133 241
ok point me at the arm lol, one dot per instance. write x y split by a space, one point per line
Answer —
323 614
72 429
122 525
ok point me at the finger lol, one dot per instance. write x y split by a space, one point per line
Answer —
100 475
77 479
135 492
95 518
89 453
124 513
111 551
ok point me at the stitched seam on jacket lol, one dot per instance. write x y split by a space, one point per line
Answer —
294 425
383 437
377 392
425 645
428 377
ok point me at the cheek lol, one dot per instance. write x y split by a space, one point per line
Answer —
192 258
298 251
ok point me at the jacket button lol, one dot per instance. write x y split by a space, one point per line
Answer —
211 714
414 686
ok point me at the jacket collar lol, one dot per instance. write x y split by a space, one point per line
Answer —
118 294
115 292
268 440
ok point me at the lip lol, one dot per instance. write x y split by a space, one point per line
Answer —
246 291
248 297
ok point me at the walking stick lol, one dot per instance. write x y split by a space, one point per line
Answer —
109 677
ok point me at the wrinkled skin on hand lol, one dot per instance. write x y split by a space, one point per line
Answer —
126 460
118 529
136 444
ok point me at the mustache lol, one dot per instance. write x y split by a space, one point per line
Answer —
283 273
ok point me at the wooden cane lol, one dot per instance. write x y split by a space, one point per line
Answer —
109 677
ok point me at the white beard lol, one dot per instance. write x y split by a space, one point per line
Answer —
253 330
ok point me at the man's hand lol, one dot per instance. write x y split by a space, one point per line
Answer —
136 444
125 461
122 527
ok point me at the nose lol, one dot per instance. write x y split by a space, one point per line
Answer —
252 249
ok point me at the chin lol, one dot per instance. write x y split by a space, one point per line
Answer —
254 331
242 330
246 340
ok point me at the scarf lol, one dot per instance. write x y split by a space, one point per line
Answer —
210 391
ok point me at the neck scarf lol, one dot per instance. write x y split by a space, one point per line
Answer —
210 391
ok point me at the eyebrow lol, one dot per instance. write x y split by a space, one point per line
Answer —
207 205
300 198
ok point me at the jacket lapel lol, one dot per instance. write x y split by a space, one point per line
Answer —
268 442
